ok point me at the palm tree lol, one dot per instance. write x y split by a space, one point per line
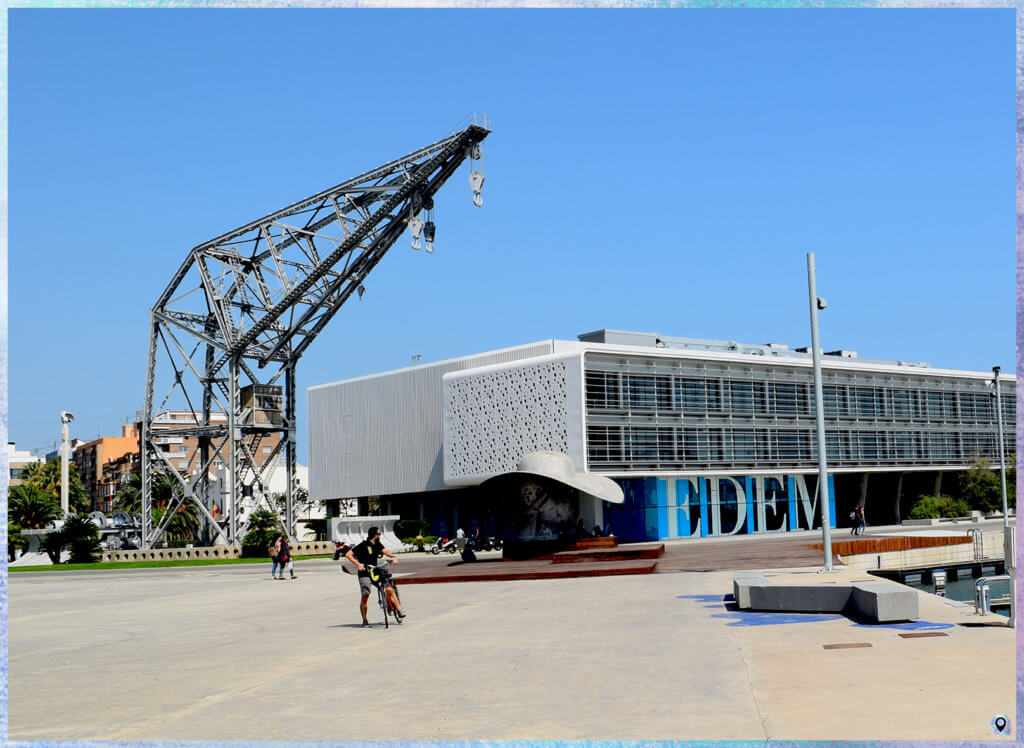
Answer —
264 525
82 537
53 544
46 477
185 522
129 498
30 507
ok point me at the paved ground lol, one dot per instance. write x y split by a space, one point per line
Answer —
226 653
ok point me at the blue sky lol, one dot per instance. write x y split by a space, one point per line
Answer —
656 170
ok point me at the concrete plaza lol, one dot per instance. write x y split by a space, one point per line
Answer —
226 653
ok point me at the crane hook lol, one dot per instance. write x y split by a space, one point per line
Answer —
476 182
428 234
415 227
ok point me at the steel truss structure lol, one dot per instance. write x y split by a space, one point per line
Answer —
242 309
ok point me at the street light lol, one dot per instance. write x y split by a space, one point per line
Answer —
817 303
65 418
1009 557
999 441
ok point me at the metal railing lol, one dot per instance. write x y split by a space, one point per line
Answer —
979 542
982 603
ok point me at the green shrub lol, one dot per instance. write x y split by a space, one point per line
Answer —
410 528
15 540
83 540
53 544
85 549
420 541
934 507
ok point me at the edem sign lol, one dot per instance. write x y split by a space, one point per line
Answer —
708 506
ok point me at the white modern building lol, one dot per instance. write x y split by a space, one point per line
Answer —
705 437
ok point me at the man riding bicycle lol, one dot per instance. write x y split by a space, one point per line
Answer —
368 553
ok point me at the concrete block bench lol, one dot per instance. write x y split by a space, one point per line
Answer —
801 598
876 602
882 602
741 588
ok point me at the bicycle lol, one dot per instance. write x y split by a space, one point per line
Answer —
381 578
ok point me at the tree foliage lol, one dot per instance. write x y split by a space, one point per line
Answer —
31 507
15 540
53 544
264 526
82 538
980 487
45 476
935 507
410 528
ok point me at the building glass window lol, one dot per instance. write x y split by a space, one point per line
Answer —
641 393
643 445
746 397
900 400
868 443
865 403
697 395
1009 403
790 399
602 389
949 406
788 449
744 446
834 400
933 405
604 444
905 445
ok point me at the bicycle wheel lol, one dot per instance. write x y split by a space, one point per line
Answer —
394 611
383 600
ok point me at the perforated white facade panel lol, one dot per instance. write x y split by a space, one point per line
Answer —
495 415
382 434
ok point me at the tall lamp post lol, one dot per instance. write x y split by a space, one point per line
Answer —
1009 546
819 413
65 419
999 441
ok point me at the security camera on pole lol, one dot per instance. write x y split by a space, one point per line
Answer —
65 419
819 412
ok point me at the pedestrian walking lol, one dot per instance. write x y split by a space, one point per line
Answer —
275 555
285 557
859 523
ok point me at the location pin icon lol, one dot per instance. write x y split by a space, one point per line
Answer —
1000 725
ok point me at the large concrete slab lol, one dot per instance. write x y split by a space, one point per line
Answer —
226 653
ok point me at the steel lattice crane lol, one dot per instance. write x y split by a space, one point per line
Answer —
242 309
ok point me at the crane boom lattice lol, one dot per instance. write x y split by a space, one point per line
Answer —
227 332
